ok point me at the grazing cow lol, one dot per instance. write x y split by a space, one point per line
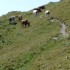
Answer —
12 20
35 12
38 9
47 13
42 7
25 23
19 17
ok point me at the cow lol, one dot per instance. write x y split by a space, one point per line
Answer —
25 23
19 18
47 13
35 12
42 7
12 20
38 9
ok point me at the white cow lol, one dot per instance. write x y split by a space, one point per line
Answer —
35 12
47 12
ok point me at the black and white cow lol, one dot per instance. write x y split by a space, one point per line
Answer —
12 20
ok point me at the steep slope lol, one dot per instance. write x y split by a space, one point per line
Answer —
33 48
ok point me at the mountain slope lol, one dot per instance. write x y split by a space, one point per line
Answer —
33 48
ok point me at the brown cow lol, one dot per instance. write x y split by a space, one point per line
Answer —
19 17
42 7
25 23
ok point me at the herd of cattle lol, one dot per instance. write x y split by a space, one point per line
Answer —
25 22
36 11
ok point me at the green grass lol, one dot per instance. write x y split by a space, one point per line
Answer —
33 48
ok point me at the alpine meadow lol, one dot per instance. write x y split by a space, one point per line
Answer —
39 46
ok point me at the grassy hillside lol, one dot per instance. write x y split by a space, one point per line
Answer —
33 48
